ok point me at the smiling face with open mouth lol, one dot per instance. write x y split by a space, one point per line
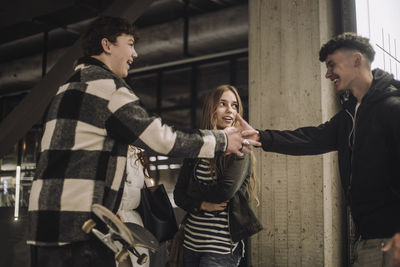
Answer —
122 54
341 69
226 110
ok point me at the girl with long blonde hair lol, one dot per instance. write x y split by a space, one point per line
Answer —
215 193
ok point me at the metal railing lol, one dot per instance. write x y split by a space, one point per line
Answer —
390 49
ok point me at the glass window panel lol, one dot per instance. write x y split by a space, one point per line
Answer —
180 118
176 89
145 87
212 75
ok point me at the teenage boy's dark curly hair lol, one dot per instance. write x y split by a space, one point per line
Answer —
350 41
104 27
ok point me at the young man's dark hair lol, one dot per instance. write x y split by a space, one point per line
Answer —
349 41
105 27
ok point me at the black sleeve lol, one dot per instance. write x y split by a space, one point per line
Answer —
181 197
230 179
303 141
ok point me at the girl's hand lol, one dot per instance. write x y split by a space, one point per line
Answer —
208 206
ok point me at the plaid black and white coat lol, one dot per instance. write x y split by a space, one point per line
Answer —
88 126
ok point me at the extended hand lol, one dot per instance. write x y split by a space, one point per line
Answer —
237 143
250 135
247 131
208 206
394 244
234 141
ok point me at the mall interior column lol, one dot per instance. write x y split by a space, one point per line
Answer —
301 199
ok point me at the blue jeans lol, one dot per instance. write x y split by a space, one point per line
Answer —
208 259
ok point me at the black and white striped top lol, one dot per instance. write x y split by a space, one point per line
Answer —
208 231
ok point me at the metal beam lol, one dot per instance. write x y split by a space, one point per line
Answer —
28 10
193 60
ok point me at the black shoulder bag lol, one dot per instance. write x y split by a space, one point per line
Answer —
157 212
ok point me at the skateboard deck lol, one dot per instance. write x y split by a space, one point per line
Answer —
121 237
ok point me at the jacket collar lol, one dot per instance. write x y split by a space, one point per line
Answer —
85 61
380 88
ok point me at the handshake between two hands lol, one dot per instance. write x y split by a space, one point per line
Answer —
240 139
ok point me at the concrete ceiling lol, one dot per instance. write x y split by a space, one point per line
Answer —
213 26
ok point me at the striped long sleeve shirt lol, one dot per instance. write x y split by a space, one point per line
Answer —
208 231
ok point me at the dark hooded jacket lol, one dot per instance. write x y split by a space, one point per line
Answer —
368 146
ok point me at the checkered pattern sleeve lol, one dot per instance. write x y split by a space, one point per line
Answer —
130 122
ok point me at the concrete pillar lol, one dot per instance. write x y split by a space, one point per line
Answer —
301 198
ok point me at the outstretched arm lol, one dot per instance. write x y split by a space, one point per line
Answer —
302 141
129 122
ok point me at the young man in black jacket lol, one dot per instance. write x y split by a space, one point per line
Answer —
366 134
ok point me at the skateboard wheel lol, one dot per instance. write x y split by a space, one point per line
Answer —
142 259
88 226
121 255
